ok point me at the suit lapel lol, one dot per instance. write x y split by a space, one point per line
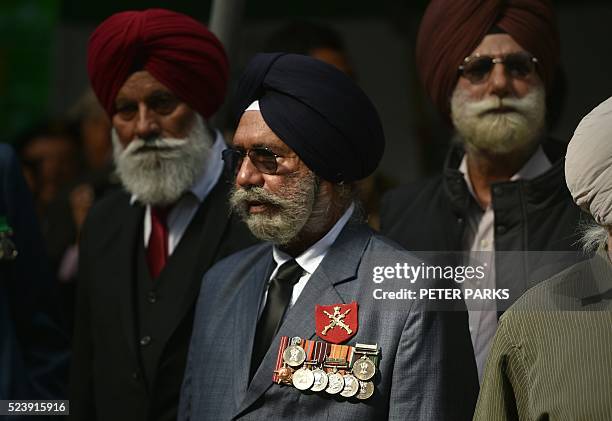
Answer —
204 238
339 265
129 233
249 303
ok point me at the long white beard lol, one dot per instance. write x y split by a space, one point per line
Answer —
159 171
499 133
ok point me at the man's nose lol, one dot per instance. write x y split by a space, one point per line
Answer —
499 81
248 175
147 126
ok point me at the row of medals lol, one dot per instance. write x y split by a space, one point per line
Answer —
355 381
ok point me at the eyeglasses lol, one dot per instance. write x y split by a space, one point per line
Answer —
262 158
477 68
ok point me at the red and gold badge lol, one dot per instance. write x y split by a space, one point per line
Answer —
337 323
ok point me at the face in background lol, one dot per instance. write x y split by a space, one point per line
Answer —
49 162
336 58
502 114
160 145
280 207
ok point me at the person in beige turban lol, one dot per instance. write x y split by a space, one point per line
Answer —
551 355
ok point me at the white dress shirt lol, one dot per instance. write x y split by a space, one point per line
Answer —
310 259
183 211
479 240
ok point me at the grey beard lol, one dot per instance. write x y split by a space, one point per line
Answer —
161 175
291 213
499 133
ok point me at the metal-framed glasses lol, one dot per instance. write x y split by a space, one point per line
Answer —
477 68
262 158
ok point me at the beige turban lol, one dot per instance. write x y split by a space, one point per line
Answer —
588 163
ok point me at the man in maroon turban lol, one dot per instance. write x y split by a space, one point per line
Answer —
159 75
489 66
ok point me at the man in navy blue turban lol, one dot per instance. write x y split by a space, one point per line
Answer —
318 112
306 134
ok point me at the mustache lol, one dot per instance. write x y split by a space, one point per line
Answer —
239 197
494 103
158 145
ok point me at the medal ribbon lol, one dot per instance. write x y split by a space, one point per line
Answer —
284 342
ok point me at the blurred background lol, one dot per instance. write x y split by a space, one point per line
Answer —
62 135
43 55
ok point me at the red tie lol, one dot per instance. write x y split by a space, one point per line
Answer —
157 252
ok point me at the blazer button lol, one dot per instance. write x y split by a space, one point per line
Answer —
152 297
501 229
145 340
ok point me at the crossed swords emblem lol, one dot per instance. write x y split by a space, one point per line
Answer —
337 320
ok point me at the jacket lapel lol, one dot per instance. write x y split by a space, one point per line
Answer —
339 265
211 221
125 252
249 303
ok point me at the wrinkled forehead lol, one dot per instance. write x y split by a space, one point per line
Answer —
140 85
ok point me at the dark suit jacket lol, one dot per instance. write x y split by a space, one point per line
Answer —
535 216
34 352
427 369
111 380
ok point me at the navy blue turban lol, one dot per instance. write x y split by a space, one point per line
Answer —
318 111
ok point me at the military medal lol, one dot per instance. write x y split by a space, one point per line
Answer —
366 390
320 376
351 384
335 382
303 378
282 373
364 368
294 355
336 360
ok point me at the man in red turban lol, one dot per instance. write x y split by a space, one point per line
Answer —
489 66
159 75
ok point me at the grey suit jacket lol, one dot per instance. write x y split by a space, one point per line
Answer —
427 369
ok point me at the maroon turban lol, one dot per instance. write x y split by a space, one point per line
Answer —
452 29
178 51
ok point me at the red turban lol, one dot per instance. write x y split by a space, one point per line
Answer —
452 29
177 50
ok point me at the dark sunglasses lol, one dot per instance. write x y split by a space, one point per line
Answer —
477 68
262 158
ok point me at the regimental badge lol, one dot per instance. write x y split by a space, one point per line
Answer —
337 323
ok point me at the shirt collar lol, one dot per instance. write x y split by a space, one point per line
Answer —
310 259
536 165
213 168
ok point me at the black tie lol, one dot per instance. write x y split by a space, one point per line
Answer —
279 296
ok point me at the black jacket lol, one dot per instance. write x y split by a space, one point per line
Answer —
131 333
533 215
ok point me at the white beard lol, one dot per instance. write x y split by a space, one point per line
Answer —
159 171
499 133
